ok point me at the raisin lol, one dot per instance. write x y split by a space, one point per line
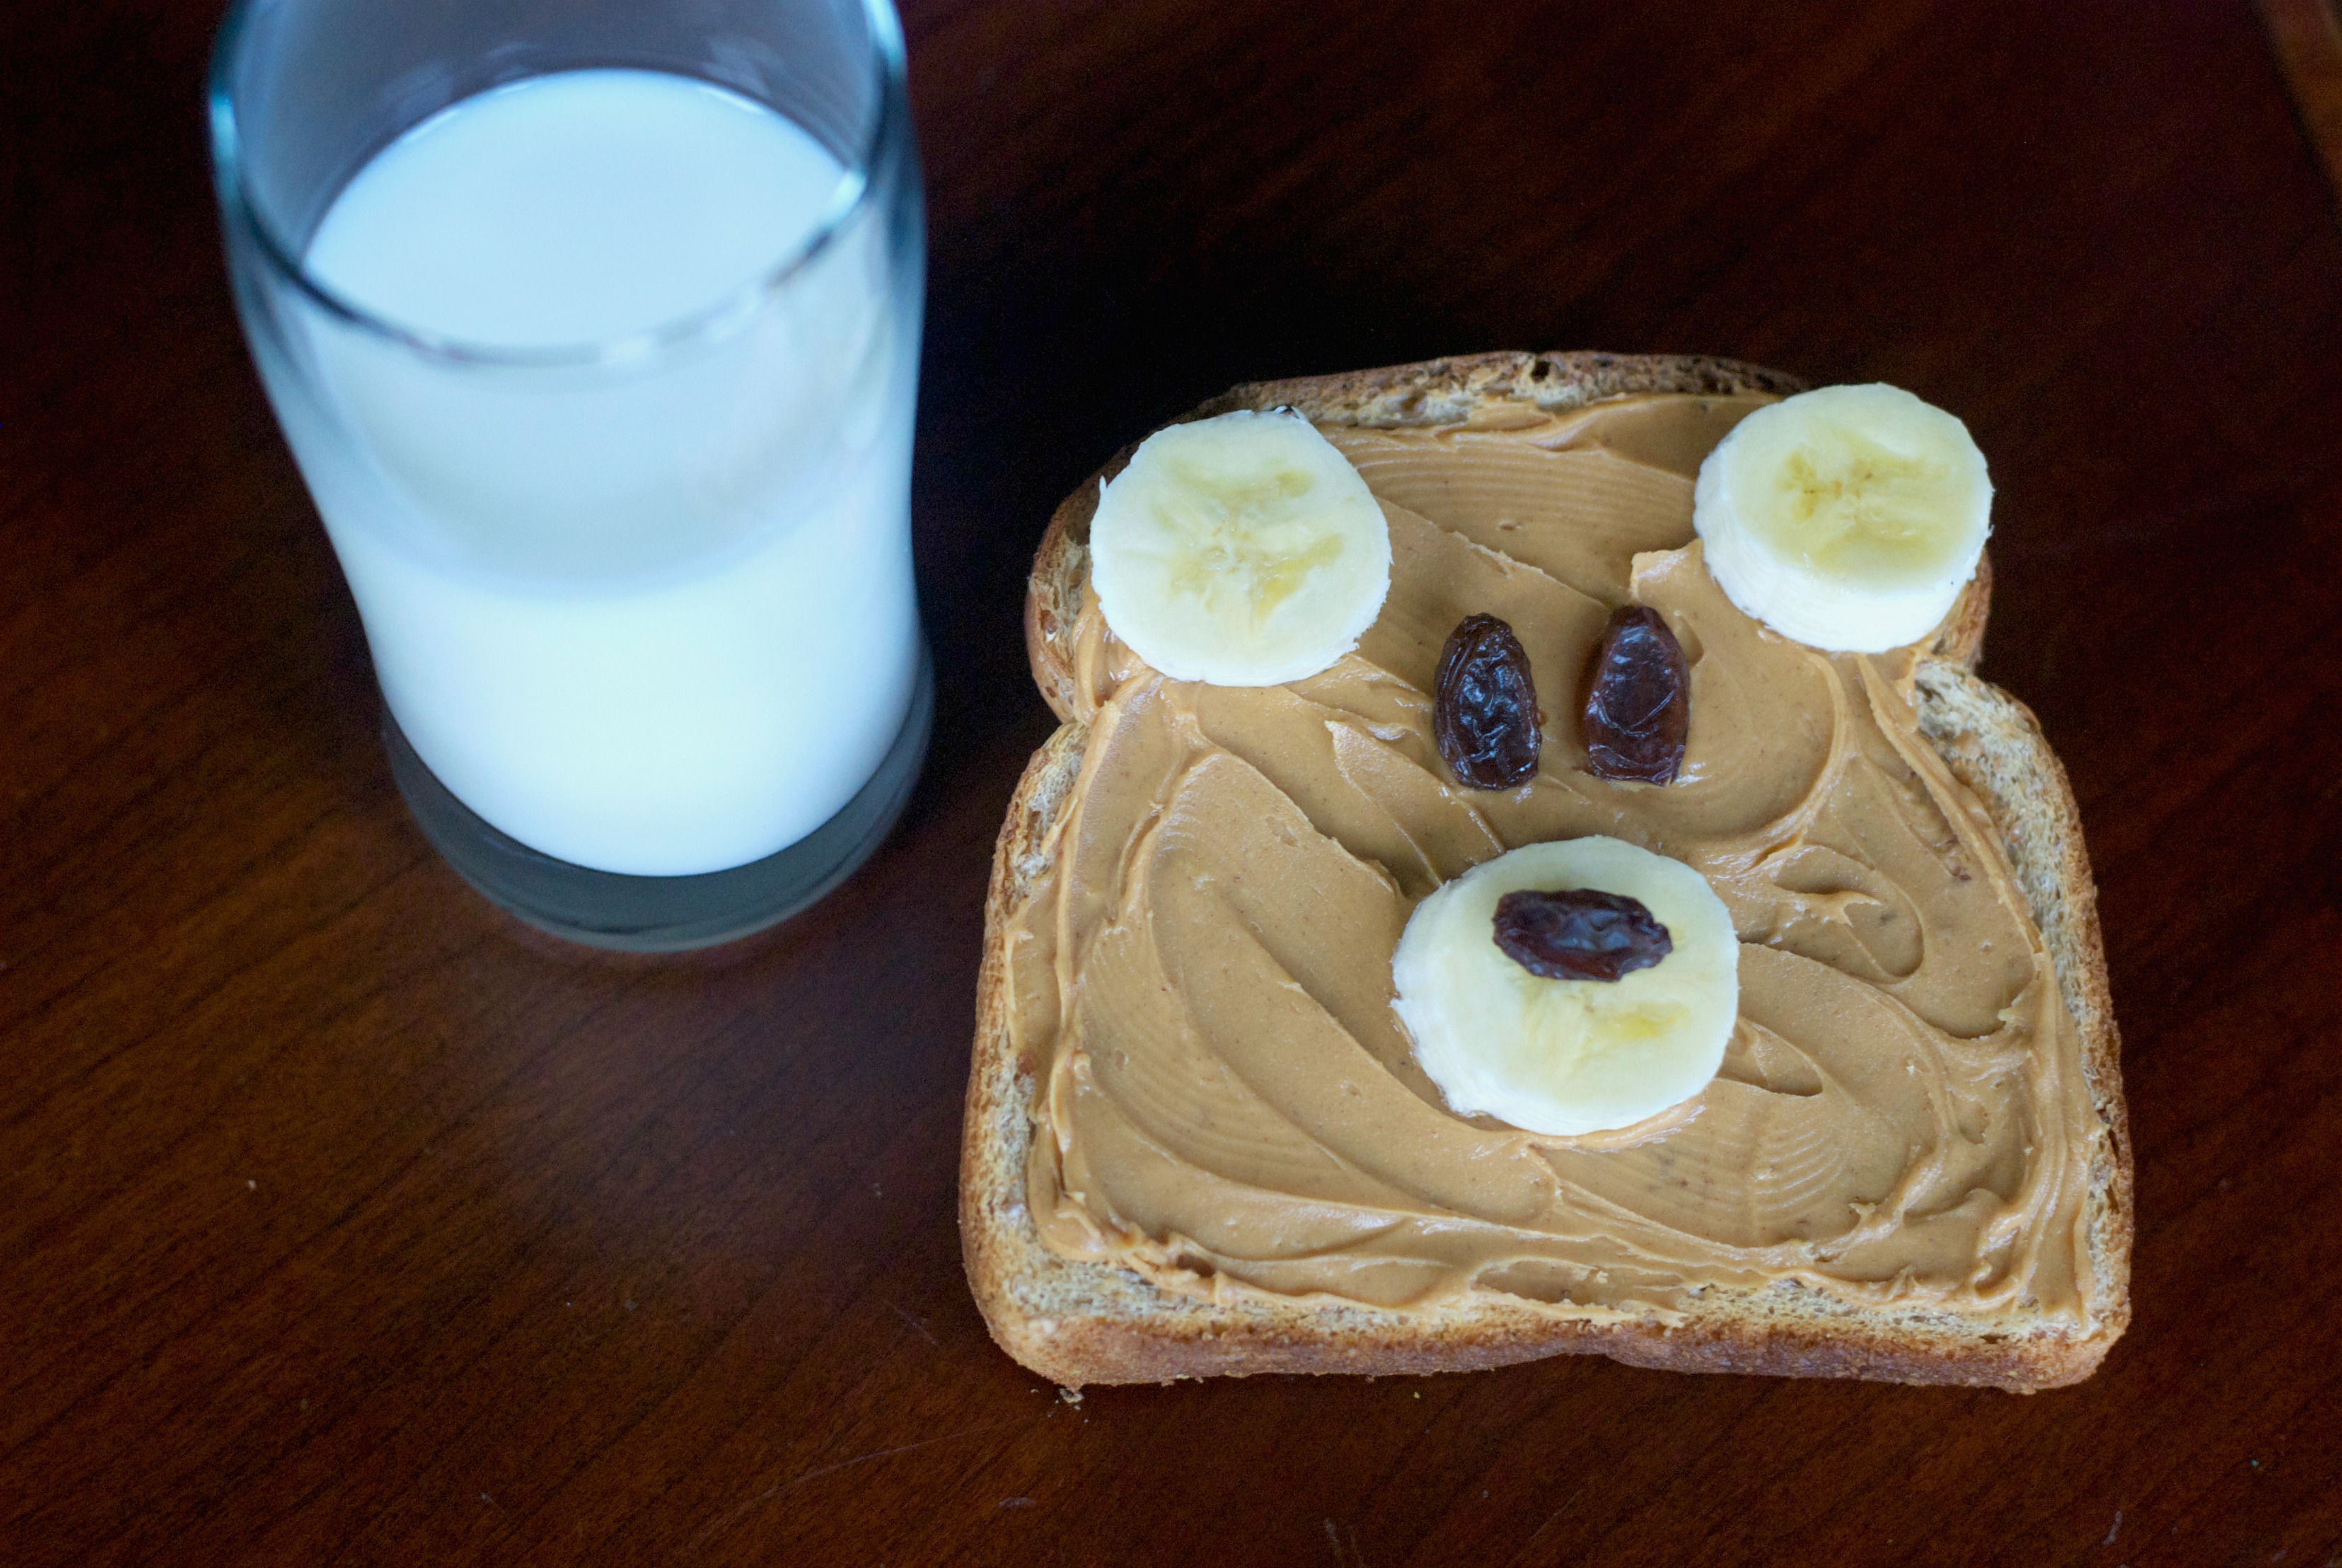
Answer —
1639 703
1580 933
1484 707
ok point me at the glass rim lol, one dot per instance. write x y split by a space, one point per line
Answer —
701 324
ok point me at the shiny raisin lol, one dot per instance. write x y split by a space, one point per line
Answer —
1484 709
1638 703
1580 933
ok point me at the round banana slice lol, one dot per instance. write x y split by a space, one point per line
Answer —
1567 1056
1242 550
1848 518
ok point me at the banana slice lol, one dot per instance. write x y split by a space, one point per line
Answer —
1565 1056
1848 518
1242 550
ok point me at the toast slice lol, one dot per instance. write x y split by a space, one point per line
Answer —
1078 1322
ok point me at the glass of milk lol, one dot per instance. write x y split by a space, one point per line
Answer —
593 326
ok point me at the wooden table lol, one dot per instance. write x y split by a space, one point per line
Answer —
346 1220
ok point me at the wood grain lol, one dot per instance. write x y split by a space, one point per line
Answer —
347 1222
2307 37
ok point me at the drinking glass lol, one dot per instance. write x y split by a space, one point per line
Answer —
640 607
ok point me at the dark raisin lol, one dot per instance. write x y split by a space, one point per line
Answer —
1484 708
1639 703
1580 933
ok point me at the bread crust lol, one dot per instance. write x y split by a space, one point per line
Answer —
1078 1322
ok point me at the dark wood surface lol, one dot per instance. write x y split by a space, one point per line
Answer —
346 1221
2307 37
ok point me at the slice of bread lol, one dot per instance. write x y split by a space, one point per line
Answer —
1088 1322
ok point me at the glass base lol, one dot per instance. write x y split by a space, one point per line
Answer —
665 914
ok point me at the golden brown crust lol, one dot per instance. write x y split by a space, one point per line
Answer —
1053 597
1993 743
1960 639
1449 391
1077 1323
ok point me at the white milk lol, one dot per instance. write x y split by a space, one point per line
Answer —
650 614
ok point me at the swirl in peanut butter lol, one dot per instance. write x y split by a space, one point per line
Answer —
1203 983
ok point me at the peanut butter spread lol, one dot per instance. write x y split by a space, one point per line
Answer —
1203 982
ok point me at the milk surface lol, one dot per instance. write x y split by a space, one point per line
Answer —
629 537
